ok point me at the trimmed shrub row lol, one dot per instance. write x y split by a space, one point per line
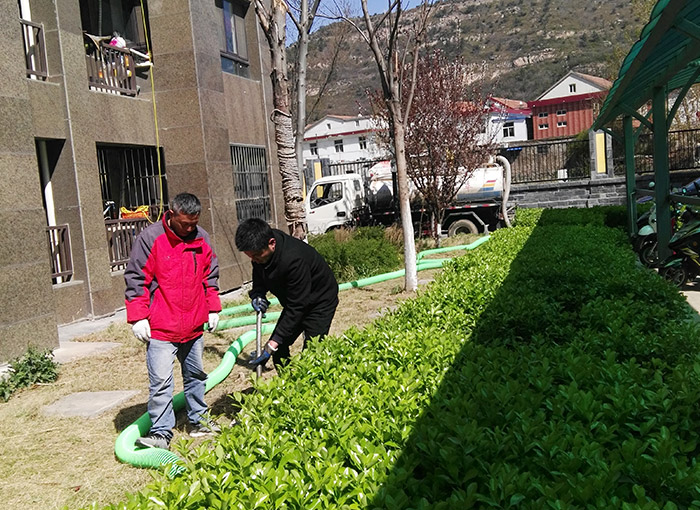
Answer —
543 370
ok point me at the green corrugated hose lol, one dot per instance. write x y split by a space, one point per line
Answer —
125 448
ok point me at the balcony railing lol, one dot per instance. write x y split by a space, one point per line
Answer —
121 235
34 49
58 237
109 68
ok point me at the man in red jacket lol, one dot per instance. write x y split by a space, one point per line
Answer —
171 292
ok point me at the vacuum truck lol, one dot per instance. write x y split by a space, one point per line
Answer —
354 199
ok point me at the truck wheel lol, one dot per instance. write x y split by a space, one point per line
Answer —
462 227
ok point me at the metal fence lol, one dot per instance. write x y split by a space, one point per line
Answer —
561 160
58 237
251 182
683 152
121 234
548 161
328 168
110 69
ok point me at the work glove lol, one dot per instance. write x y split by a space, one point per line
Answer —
142 330
213 321
260 304
264 356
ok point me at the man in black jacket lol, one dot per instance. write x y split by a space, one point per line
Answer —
298 276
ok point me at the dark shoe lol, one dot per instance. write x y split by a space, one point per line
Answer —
205 428
153 441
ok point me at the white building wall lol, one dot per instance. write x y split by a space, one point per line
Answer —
495 129
563 89
328 130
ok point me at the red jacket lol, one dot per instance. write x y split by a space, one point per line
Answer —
172 282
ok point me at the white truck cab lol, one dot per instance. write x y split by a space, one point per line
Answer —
332 200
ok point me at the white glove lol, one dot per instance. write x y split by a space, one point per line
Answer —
142 330
213 321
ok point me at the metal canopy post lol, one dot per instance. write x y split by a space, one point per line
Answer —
661 176
630 176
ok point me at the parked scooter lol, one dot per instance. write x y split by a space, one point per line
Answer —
645 242
684 264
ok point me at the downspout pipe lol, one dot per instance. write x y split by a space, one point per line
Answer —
125 448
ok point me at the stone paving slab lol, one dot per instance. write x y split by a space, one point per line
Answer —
88 404
71 351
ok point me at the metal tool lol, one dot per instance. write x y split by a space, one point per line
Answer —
258 340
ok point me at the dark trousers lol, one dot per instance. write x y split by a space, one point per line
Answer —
316 323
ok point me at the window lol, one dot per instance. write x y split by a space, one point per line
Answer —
363 142
508 129
543 126
129 177
357 123
313 147
572 87
250 182
561 123
338 145
328 126
543 149
560 113
325 194
542 115
234 56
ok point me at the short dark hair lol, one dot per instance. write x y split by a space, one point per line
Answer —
186 203
253 234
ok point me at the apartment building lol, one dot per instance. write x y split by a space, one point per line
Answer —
569 106
341 139
107 109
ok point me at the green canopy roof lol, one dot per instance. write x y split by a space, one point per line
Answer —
666 55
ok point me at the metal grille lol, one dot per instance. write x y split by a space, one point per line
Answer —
683 152
34 49
129 178
549 161
58 237
250 182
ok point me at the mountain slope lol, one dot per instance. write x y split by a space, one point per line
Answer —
522 47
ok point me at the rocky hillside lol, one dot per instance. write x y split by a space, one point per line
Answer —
522 46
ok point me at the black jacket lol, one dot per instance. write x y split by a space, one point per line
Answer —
300 278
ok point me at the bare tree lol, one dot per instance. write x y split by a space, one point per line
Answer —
302 14
445 141
392 40
272 19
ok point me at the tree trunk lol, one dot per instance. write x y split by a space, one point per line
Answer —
405 206
303 50
273 24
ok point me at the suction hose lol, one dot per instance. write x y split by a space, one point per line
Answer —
125 448
506 189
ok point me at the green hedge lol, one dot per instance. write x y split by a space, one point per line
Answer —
543 370
358 253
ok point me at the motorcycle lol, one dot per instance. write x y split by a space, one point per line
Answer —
645 242
684 264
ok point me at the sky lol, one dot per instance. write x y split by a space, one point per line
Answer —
375 6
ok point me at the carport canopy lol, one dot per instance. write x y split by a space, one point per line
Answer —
664 60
